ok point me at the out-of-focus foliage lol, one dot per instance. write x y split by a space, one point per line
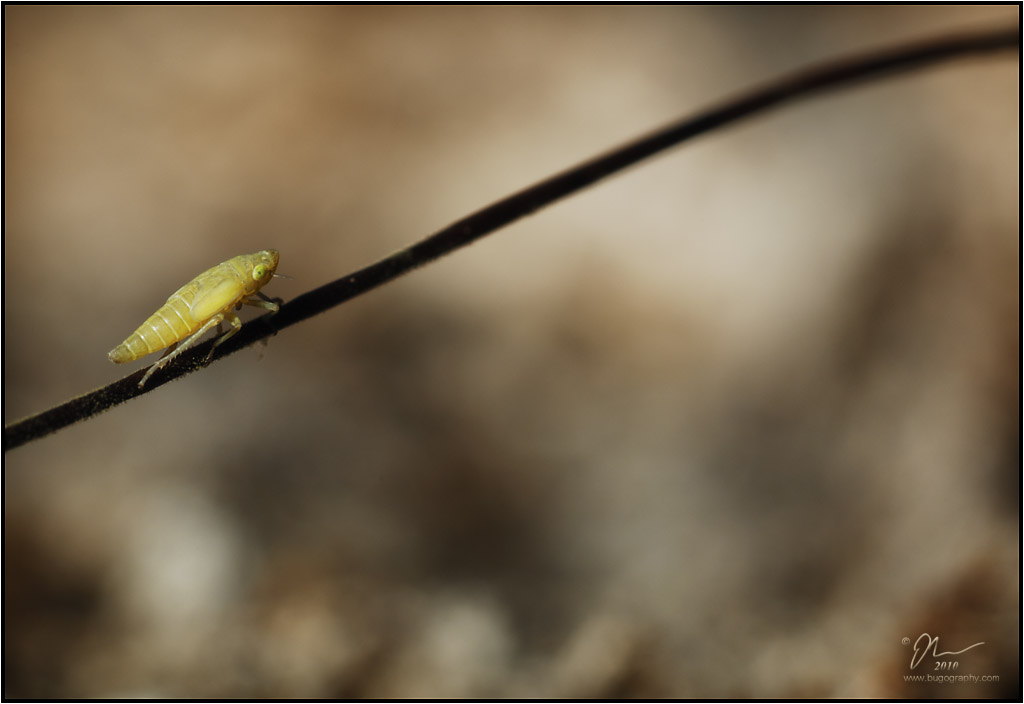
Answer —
734 423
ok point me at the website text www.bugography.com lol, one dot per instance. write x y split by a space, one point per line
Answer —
950 679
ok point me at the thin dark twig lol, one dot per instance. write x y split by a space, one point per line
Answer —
518 205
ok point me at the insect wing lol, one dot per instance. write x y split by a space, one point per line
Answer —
216 290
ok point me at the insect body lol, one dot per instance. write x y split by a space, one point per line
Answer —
196 307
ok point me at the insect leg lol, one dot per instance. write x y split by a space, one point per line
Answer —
175 351
267 298
270 304
170 350
236 325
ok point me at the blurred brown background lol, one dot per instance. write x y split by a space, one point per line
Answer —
733 423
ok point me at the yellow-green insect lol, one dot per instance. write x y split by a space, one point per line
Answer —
196 307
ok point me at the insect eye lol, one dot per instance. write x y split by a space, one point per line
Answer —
259 272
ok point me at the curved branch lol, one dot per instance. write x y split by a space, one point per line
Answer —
518 205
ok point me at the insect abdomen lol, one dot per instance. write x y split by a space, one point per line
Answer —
171 323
